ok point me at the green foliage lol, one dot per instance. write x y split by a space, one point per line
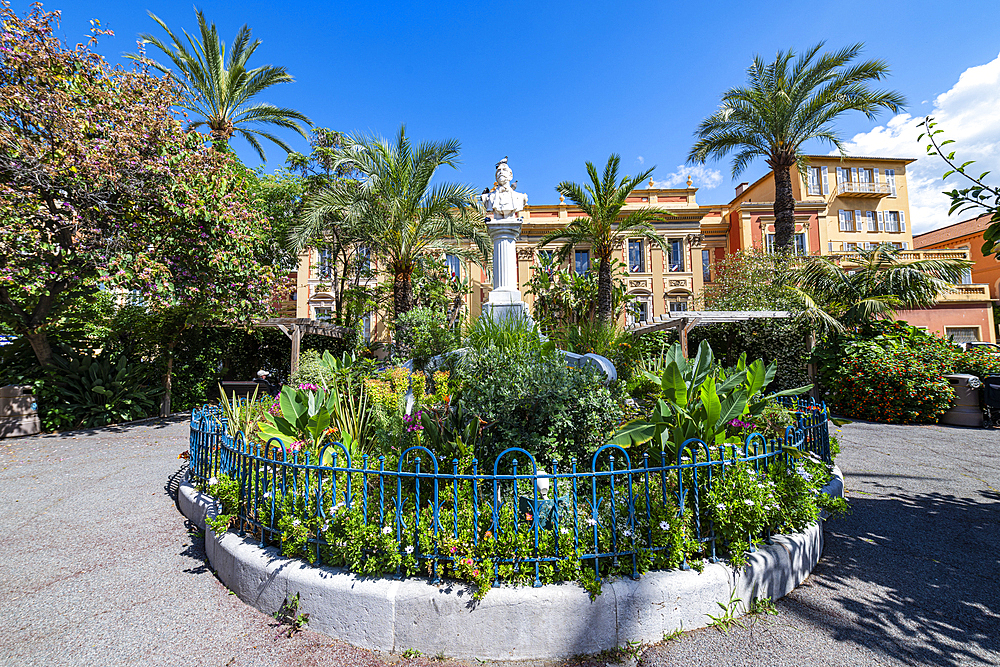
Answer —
218 90
84 391
422 333
699 400
310 415
537 403
892 372
728 618
754 280
565 298
978 196
288 615
786 104
604 225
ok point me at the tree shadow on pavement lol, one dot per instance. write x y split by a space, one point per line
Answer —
914 578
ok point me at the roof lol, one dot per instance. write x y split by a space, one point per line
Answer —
906 160
951 232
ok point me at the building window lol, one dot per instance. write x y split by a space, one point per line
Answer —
546 257
800 243
368 326
364 260
846 221
636 256
675 258
967 276
814 180
677 306
892 221
962 335
706 265
454 266
582 261
323 314
325 267
640 311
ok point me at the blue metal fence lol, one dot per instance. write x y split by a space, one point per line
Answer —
604 509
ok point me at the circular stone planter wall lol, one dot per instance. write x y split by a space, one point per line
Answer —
510 623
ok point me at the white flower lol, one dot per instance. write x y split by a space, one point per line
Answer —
296 522
748 502
664 525
626 533
564 531
386 530
760 486
267 495
591 522
213 482
326 526
409 549
721 507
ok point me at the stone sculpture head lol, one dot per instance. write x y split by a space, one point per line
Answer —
504 175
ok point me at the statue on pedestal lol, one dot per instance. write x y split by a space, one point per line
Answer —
503 206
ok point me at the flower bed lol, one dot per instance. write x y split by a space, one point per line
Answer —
516 523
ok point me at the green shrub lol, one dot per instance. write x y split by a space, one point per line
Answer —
893 384
84 391
422 333
538 403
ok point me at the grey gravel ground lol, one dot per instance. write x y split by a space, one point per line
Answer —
101 569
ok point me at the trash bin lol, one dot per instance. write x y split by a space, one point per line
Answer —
18 412
966 411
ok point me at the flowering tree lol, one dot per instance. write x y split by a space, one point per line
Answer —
99 183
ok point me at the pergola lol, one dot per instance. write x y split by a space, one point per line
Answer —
296 327
687 320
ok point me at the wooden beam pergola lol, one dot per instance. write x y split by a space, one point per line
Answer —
687 320
296 327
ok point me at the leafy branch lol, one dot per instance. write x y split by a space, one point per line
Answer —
978 195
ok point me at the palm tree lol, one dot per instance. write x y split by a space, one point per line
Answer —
873 285
604 228
220 91
394 209
784 105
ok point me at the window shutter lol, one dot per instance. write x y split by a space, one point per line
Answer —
890 177
904 245
811 184
875 172
872 226
902 221
881 222
831 246
840 175
824 182
854 175
859 225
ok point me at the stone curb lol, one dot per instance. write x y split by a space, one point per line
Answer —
510 623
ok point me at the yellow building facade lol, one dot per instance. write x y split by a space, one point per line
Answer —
842 205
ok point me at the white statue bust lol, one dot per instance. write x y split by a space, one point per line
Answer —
504 202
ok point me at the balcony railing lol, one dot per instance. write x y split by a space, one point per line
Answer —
975 292
866 190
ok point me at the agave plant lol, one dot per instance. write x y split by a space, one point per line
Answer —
699 400
240 414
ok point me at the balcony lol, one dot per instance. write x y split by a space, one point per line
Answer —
960 293
862 190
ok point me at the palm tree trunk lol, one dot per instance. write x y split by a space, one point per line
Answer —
784 210
604 291
402 292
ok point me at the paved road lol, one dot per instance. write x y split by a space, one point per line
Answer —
101 569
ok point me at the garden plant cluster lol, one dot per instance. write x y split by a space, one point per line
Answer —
325 471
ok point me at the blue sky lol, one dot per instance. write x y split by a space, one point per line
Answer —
553 85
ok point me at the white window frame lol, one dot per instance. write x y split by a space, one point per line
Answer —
890 178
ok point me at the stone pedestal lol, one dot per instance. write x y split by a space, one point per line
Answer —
505 299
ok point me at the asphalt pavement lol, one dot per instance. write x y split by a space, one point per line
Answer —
101 569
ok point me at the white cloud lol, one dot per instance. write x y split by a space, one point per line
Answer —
968 114
701 177
641 160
